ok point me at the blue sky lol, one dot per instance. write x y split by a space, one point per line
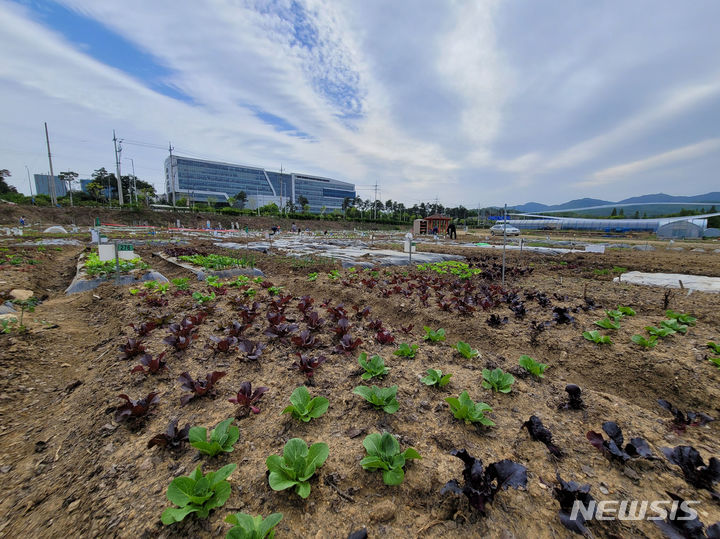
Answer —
474 103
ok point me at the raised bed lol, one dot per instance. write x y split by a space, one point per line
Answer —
203 273
83 282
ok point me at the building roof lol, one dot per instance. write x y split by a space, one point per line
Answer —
437 216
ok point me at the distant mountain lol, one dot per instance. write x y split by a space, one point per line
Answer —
658 198
534 207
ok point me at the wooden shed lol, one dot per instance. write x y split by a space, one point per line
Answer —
425 226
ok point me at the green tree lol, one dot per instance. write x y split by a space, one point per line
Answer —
614 213
4 187
107 182
347 203
241 197
231 201
69 177
637 214
270 209
622 212
302 200
95 189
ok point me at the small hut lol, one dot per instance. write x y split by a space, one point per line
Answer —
426 226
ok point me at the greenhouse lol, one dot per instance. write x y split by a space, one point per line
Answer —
540 222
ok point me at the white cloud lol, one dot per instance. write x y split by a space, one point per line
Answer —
677 102
425 102
628 170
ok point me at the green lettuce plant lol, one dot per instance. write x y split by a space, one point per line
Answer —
533 367
674 325
222 438
406 350
304 407
595 337
436 378
249 527
606 323
681 317
375 366
381 398
296 466
469 411
498 380
383 453
662 331
434 336
645 343
197 494
466 350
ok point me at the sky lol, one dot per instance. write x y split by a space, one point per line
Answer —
468 102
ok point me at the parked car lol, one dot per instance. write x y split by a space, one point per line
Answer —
497 230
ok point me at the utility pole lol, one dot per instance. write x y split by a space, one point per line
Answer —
172 175
29 183
375 202
118 151
51 179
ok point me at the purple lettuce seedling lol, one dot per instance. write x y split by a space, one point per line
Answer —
247 397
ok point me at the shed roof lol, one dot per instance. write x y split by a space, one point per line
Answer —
437 216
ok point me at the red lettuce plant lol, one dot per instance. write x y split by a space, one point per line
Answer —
172 438
236 329
384 337
180 343
132 348
144 328
307 365
227 344
251 349
247 397
347 344
305 304
135 408
305 340
151 365
313 320
342 327
482 484
198 388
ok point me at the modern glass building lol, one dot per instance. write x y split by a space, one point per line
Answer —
42 185
200 180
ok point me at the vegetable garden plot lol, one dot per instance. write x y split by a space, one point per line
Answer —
294 332
205 264
92 272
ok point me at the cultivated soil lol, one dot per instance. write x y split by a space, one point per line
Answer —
70 470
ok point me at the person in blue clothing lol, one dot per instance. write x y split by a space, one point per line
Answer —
22 221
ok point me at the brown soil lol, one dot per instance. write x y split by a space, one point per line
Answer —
70 470
42 217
